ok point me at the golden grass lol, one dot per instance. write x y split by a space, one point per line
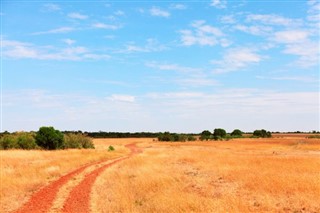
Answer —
243 175
24 172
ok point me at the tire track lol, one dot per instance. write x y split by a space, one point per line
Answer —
79 198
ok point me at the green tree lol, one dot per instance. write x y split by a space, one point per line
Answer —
236 133
26 141
219 133
205 135
49 138
262 133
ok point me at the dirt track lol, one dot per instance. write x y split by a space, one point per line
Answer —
78 200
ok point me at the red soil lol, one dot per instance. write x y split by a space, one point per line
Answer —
79 198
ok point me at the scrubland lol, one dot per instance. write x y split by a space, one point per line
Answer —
25 171
241 175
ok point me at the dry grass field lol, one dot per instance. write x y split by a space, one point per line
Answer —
280 174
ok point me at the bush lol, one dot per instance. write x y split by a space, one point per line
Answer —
237 133
261 133
77 141
26 141
8 141
205 135
219 133
49 138
110 148
174 137
191 138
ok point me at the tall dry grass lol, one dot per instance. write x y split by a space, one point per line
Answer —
23 172
243 175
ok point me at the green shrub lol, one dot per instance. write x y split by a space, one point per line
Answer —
237 133
77 141
26 141
8 141
219 133
261 133
111 148
191 138
205 135
49 138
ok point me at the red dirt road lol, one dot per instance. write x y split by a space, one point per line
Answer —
78 200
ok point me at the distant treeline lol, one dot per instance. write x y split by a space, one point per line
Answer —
101 134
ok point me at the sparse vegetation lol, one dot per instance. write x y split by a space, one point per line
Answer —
205 135
237 133
314 136
111 148
77 141
175 137
262 134
49 138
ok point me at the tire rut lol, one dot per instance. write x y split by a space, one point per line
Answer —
79 197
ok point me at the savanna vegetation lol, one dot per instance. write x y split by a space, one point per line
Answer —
46 138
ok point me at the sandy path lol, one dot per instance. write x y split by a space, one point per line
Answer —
79 197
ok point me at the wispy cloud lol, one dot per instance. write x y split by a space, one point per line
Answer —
152 45
235 59
308 52
171 67
68 41
255 30
314 12
77 16
291 36
178 7
204 35
55 31
123 98
220 4
106 26
197 81
228 19
155 11
272 19
20 50
290 78
51 7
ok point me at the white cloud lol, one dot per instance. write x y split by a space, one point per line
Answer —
172 67
123 98
220 4
203 34
197 82
152 45
20 50
291 36
314 12
178 6
51 7
155 11
290 78
69 41
254 30
105 26
235 59
272 19
77 16
308 52
228 19
55 31
119 13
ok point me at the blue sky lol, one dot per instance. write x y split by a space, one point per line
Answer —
181 66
